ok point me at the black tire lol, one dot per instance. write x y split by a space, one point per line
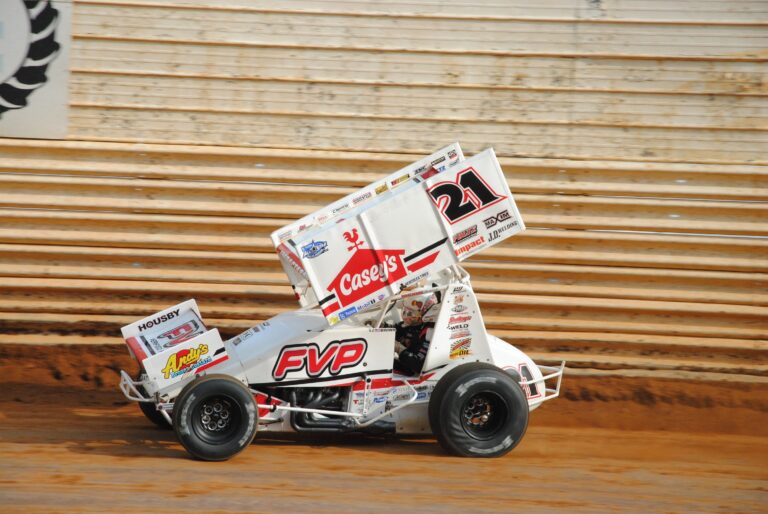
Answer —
478 410
150 410
152 414
215 417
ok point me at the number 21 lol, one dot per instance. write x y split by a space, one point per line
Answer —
469 194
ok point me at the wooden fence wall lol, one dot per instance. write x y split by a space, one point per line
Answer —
634 135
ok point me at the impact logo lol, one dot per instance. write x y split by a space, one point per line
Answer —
337 356
27 40
185 360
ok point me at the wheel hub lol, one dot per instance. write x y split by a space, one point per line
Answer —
215 415
478 412
484 414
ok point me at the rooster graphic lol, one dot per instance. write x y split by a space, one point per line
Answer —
352 238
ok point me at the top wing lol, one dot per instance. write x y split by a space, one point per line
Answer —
429 221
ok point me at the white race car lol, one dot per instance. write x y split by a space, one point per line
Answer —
389 339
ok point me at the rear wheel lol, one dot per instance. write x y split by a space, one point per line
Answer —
150 410
152 414
215 418
478 410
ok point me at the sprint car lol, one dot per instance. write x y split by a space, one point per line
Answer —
337 364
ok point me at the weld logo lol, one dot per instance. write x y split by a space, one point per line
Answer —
185 360
499 218
337 356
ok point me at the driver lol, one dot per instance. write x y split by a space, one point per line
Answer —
412 337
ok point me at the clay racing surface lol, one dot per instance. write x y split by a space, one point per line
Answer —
70 443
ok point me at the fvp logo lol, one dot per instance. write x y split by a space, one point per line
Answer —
27 47
337 356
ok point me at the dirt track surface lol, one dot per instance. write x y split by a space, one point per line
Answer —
71 443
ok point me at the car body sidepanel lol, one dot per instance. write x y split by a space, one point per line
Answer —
287 355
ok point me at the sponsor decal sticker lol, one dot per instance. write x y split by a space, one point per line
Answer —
366 272
457 289
497 232
367 304
469 246
459 308
413 280
460 348
460 326
438 160
459 319
182 333
529 386
340 208
465 234
293 260
459 298
382 188
468 194
498 218
313 249
362 197
399 180
185 360
337 356
460 334
158 320
429 172
347 313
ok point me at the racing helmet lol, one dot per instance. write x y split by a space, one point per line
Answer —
420 309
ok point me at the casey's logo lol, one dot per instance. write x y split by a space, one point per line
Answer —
184 360
367 271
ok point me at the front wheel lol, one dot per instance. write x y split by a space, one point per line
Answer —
215 418
478 410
